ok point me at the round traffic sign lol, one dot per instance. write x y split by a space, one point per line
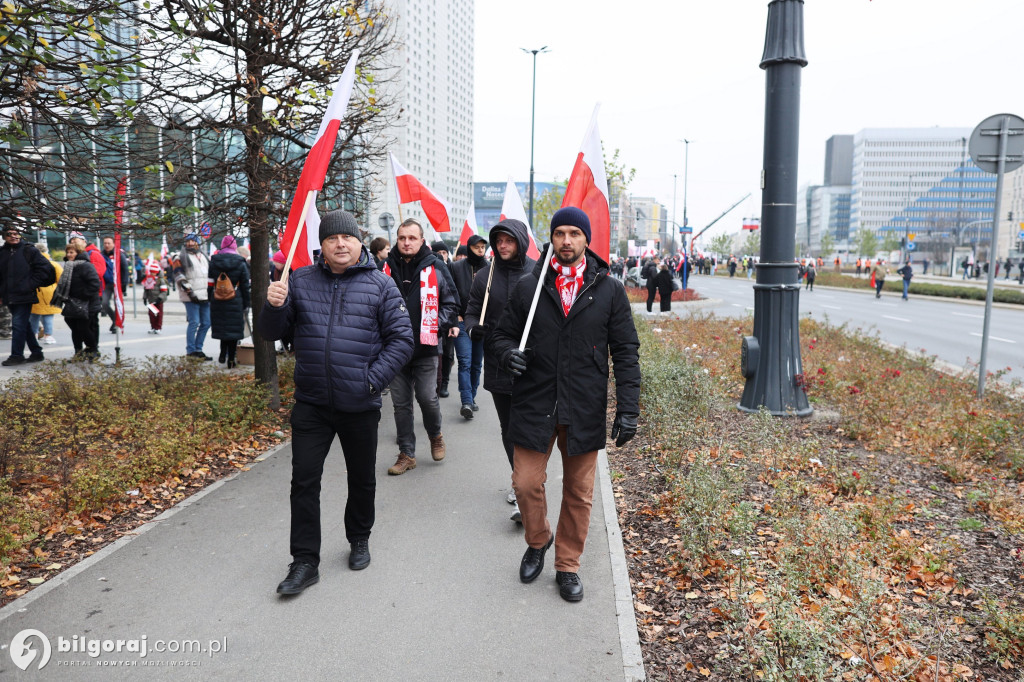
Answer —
984 144
911 246
386 220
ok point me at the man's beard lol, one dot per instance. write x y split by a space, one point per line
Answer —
572 260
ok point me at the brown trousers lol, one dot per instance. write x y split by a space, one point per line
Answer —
529 475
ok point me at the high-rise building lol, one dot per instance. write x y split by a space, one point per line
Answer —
433 86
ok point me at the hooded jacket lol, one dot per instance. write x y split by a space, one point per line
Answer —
566 380
463 272
23 270
352 333
506 275
406 275
227 319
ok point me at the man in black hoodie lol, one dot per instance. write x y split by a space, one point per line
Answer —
432 302
510 240
470 352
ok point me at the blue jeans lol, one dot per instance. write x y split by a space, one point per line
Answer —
47 320
20 331
198 315
906 287
471 359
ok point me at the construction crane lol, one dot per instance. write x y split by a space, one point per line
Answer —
725 213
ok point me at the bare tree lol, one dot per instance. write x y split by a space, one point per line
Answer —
238 94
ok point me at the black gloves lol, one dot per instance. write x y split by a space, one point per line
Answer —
514 362
478 332
623 428
191 294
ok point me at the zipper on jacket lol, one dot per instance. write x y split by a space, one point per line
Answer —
327 345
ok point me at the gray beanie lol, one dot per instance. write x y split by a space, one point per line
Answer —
338 222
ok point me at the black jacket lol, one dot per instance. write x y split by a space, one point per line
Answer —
664 282
407 276
506 275
566 381
85 282
463 272
23 270
226 317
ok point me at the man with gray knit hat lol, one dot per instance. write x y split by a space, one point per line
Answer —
352 335
561 387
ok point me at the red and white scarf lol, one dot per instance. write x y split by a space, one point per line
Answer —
429 309
568 282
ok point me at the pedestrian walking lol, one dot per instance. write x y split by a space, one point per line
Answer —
664 282
1008 267
43 311
878 273
228 293
860 266
489 298
379 248
907 272
352 335
191 274
650 272
78 294
154 293
581 314
924 266
470 352
432 305
810 274
113 260
22 270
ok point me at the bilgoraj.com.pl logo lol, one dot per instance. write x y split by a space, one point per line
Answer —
27 645
31 648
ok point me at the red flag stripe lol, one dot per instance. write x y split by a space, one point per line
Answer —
410 189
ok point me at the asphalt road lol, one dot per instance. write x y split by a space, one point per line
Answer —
950 329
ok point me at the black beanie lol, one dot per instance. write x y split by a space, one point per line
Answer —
438 246
461 251
338 222
570 215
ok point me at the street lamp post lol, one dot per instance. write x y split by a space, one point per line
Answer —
675 217
533 117
686 182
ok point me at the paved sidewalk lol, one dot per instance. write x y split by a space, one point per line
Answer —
441 599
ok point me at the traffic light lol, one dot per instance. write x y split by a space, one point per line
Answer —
903 242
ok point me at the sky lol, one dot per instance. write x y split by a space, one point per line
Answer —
669 70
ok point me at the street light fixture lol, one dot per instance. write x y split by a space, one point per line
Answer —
686 181
533 118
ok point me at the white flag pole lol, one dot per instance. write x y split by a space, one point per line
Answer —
536 296
298 233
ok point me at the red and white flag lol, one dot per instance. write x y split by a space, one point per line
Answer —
512 207
122 189
588 189
163 247
410 189
468 227
751 223
314 170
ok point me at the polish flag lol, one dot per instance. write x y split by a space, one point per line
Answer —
122 189
588 189
314 170
751 223
512 207
410 189
468 227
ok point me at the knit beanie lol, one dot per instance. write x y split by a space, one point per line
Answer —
228 244
438 246
461 251
338 222
570 215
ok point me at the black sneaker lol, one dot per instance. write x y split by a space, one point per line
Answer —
35 357
442 392
13 360
569 586
466 411
476 408
300 576
360 555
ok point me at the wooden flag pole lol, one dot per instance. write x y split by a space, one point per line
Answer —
295 237
536 296
487 291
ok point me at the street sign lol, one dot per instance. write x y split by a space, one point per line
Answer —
984 144
1020 235
685 230
911 246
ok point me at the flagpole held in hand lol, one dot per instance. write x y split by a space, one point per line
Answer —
536 296
295 237
487 293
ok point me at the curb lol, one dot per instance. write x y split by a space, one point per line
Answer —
21 604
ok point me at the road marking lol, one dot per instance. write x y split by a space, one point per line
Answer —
737 305
824 296
978 317
995 338
749 308
893 317
832 307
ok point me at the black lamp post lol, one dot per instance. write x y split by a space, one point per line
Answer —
771 357
533 117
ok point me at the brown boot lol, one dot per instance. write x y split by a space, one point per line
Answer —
402 464
437 450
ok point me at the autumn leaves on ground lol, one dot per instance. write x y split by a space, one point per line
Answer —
880 539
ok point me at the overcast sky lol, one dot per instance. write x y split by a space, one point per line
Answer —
676 69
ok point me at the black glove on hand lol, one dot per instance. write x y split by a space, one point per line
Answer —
514 362
623 428
478 332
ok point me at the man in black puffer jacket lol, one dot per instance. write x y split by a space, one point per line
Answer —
352 335
510 241
22 270
560 391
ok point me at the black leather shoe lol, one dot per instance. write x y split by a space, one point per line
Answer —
533 562
300 576
476 408
442 392
360 556
35 357
13 360
569 586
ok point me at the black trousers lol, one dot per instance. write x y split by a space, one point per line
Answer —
651 291
313 430
503 406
